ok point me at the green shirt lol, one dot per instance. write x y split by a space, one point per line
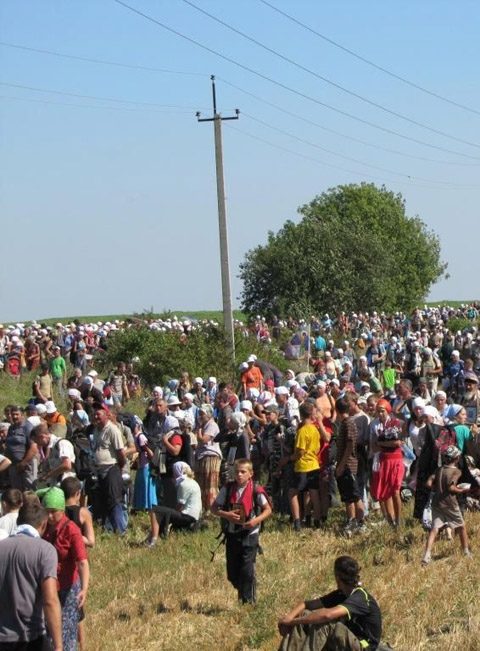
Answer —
463 434
57 367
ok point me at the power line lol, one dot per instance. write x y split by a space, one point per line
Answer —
349 158
102 61
285 87
338 167
104 99
260 99
339 133
93 106
329 81
370 63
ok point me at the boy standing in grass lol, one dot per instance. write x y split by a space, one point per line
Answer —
238 503
445 508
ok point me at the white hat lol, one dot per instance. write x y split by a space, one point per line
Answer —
212 379
41 409
251 358
188 396
282 391
253 393
35 420
291 383
243 366
158 390
170 423
50 406
246 404
93 373
173 400
198 380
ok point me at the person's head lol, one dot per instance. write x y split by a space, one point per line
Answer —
30 497
441 400
246 407
271 412
121 367
347 572
71 487
17 414
77 373
157 393
281 395
33 514
12 500
53 500
180 470
451 455
237 421
101 417
306 410
352 399
405 389
342 407
41 435
223 399
56 351
243 471
418 405
205 412
384 408
458 414
188 400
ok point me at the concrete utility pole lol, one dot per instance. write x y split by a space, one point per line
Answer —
222 220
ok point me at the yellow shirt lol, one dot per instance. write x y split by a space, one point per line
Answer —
308 439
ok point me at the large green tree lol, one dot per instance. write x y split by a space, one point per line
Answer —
354 249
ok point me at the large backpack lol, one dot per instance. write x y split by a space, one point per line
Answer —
83 455
446 437
127 419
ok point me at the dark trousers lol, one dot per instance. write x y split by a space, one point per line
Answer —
109 496
166 516
241 553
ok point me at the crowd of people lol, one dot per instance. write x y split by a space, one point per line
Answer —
380 409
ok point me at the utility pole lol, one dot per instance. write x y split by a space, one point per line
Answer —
222 220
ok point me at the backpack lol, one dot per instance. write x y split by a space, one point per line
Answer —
257 490
13 366
445 437
83 455
186 453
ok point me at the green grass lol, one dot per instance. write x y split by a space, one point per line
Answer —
216 315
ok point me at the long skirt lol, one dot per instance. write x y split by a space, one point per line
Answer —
388 480
207 471
70 616
144 492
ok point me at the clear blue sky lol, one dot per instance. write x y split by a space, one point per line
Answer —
110 207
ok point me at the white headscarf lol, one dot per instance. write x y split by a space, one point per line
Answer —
180 469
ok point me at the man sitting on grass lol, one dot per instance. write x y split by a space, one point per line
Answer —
347 618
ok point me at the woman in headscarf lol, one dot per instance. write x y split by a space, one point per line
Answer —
208 455
189 503
388 469
73 572
144 492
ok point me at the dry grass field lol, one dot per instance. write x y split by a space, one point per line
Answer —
174 598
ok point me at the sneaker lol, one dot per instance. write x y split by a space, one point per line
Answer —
297 526
350 528
361 527
152 542
467 552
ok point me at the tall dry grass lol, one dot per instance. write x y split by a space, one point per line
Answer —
172 597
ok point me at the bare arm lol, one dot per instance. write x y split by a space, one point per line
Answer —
322 616
5 464
121 458
88 532
52 610
84 571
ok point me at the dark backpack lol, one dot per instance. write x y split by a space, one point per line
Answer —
446 437
186 453
83 455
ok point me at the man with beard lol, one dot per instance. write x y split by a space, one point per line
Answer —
471 398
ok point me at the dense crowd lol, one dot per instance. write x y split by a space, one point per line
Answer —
376 410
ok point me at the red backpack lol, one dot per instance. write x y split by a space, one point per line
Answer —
445 437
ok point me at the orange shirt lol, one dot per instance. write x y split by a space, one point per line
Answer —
252 378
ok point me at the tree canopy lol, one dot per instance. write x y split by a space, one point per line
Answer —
354 249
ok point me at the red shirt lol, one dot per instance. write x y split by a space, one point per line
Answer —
67 540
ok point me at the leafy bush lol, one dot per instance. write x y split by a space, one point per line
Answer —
456 324
164 355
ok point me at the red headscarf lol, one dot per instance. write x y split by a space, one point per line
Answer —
385 404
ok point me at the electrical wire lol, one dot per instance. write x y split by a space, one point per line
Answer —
370 63
284 86
349 158
93 106
102 61
104 99
316 160
329 81
339 133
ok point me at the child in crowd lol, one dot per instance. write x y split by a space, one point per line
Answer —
445 508
238 504
11 504
72 488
